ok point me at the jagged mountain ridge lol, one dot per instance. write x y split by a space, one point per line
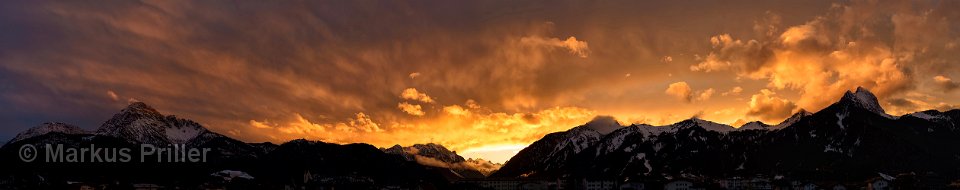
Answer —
45 128
438 156
851 138
430 150
138 123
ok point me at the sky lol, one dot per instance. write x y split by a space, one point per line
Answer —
483 78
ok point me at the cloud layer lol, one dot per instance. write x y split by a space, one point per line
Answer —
470 75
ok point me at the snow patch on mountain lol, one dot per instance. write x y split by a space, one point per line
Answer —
182 130
578 141
646 162
616 139
840 117
181 134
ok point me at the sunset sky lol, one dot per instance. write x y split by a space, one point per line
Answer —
484 78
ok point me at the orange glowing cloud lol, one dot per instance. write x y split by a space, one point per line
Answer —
485 82
413 94
463 128
411 109
681 90
573 45
770 108
834 53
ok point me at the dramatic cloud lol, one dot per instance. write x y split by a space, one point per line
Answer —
748 55
456 110
412 109
946 83
488 76
682 91
850 46
413 94
770 108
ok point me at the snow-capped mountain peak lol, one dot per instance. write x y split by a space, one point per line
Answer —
864 99
754 125
140 107
437 155
140 123
792 119
681 148
708 125
429 150
45 128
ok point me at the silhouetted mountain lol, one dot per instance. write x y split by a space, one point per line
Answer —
294 159
270 166
850 139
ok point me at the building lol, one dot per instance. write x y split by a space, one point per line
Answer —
803 185
598 184
739 183
678 185
534 185
633 186
683 184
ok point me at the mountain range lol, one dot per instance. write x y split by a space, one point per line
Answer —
445 161
299 162
852 139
